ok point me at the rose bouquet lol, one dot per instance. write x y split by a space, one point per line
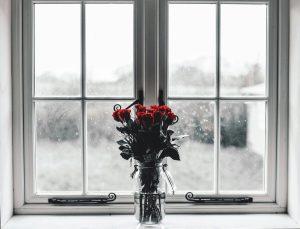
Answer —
148 140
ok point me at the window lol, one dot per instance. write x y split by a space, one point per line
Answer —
217 82
214 62
221 79
83 63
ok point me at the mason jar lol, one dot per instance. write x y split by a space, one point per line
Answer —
149 193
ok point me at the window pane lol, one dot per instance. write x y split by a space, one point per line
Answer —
243 49
58 146
192 49
109 50
243 145
107 170
195 171
57 49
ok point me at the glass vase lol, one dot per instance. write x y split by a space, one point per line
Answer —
150 194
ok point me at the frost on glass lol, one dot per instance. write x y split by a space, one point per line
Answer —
243 146
192 50
109 50
195 171
243 49
57 49
58 146
106 169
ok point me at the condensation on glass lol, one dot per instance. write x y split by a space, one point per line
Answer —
192 50
243 146
195 171
106 169
241 132
57 50
109 50
58 149
61 127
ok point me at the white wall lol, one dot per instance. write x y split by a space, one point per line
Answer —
294 112
6 199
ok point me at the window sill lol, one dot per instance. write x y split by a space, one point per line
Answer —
171 208
171 221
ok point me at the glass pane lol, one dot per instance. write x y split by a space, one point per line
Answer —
109 50
195 171
243 146
243 49
107 170
58 146
57 49
192 50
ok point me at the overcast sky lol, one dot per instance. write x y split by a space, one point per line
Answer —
109 37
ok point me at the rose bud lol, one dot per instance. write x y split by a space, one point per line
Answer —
116 117
140 108
124 114
154 107
164 109
140 114
147 120
171 117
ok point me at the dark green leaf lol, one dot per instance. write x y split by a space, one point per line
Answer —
122 148
170 152
125 155
180 137
170 132
121 142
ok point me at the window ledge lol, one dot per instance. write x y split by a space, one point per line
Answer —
171 221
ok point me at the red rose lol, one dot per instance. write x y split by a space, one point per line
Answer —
171 117
140 114
146 120
150 111
140 108
116 117
164 109
139 117
124 114
154 107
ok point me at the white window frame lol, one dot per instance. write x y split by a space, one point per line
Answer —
151 70
270 98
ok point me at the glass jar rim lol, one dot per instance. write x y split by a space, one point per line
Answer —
145 166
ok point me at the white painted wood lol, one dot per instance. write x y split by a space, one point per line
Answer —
178 208
272 92
27 63
139 44
151 51
146 37
283 101
294 112
28 95
170 222
270 98
17 80
6 179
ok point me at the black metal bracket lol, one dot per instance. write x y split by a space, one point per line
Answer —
139 100
161 98
83 201
218 200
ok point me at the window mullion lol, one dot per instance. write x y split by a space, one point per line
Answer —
151 50
139 46
163 48
83 104
217 103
